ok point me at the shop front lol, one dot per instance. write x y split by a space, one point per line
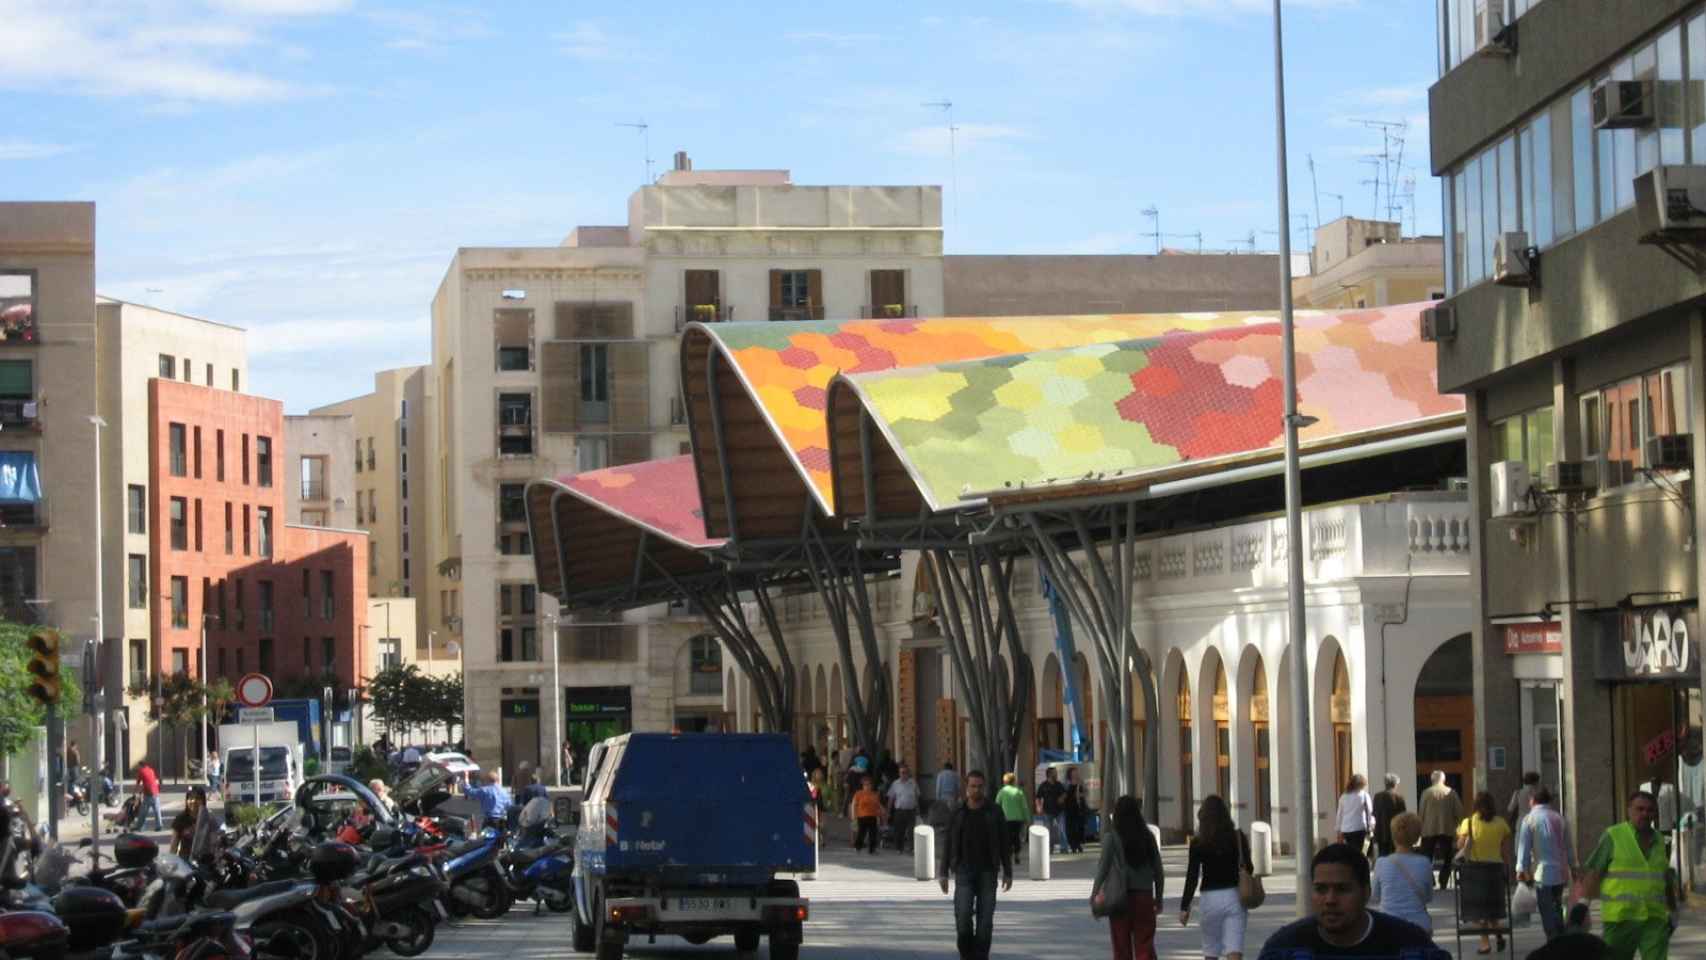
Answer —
592 714
1536 649
1650 657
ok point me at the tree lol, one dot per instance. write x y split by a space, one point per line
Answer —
176 702
19 714
402 698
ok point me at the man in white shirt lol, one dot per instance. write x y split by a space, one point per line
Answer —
903 808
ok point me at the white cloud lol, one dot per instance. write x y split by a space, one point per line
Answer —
933 141
171 51
30 150
586 41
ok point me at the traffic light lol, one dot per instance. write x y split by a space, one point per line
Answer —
44 667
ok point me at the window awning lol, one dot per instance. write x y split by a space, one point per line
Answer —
19 480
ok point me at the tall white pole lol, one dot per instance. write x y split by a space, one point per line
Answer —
557 704
1298 632
95 778
201 675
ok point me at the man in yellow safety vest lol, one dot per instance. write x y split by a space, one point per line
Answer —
1629 871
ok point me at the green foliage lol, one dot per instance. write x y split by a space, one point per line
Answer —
403 696
19 713
311 766
248 814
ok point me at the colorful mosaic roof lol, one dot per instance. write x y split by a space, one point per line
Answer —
787 366
660 495
1142 405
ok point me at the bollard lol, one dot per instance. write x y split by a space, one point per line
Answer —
923 853
817 845
1039 853
1262 848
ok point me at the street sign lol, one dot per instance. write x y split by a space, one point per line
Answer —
254 715
254 690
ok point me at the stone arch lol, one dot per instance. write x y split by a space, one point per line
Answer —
1445 720
1285 783
1177 747
1087 702
1051 727
1140 729
1335 736
1211 711
1253 726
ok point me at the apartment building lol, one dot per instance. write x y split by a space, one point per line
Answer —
1357 263
1574 327
319 484
1052 285
139 344
557 359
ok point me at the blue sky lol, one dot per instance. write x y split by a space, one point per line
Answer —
305 168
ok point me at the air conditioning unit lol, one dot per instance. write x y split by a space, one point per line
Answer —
1622 103
1510 485
1493 37
1439 324
1670 451
1513 260
1670 203
1572 476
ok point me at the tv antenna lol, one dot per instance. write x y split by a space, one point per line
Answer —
1154 215
1315 185
1390 163
645 131
947 108
1336 196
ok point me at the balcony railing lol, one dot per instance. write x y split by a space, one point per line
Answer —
809 312
313 490
18 413
24 516
702 313
887 311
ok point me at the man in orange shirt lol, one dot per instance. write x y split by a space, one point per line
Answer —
867 810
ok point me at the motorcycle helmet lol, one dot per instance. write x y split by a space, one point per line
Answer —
132 850
333 861
96 917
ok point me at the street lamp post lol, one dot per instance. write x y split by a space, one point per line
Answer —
1299 637
557 703
206 704
100 631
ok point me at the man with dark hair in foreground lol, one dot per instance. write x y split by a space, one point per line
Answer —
1340 923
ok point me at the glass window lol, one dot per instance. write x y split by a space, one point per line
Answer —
136 507
1671 120
1459 226
1563 171
1695 95
1625 141
138 571
180 602
176 448
1581 157
168 366
1490 209
180 527
1539 174
512 504
595 373
264 517
1645 64
263 461
1508 195
1618 419
1475 268
328 594
1525 164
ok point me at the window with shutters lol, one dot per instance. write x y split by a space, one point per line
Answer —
180 523
17 393
176 449
180 602
703 300
168 366
595 382
515 424
796 294
514 339
138 565
888 295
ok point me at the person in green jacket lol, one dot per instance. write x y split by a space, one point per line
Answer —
1629 871
1015 808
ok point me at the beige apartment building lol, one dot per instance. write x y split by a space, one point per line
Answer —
319 480
389 490
550 360
1370 263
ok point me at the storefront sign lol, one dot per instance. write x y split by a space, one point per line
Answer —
597 701
521 708
1652 643
1661 746
1534 638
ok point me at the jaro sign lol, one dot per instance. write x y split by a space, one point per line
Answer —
1654 643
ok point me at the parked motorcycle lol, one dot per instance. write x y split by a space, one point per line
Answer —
476 877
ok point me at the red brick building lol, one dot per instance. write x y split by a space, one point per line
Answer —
284 600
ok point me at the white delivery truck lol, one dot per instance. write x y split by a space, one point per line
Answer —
280 761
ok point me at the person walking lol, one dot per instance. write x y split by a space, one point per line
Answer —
1217 853
1388 803
1545 859
1522 798
1015 810
1442 810
184 824
73 759
566 767
867 811
1629 873
1340 923
1485 839
1127 845
948 785
1403 878
903 808
1356 813
1049 794
148 787
1075 810
974 849
212 771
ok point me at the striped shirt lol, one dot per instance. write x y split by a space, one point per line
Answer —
1543 847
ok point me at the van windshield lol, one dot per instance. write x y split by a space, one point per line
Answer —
275 764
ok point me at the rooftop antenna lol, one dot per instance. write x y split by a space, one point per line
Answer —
1391 135
1375 161
1154 215
1336 196
645 130
1315 185
947 108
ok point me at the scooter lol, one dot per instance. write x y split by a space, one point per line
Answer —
476 877
399 901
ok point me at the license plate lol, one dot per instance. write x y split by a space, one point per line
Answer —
701 904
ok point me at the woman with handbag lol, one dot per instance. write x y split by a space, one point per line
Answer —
1484 863
1128 882
1220 858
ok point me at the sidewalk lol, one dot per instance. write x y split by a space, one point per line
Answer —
74 827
